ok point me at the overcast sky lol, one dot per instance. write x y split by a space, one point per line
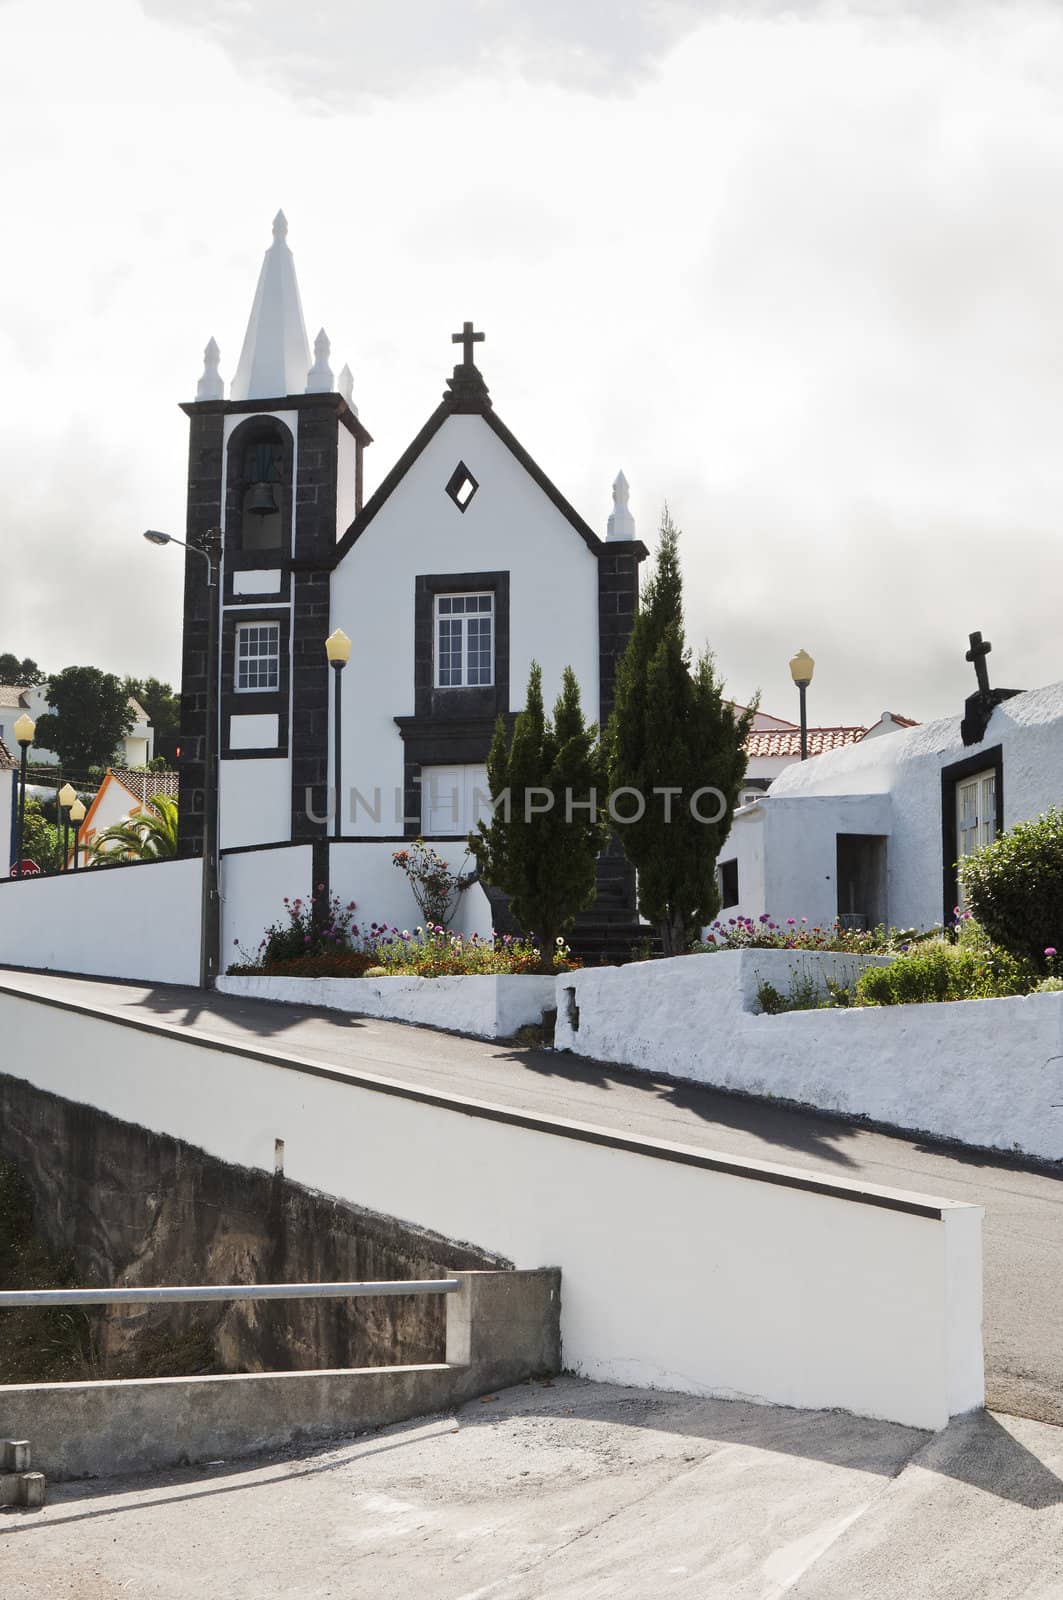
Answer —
797 269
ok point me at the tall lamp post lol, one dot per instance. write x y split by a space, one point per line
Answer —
25 728
338 650
210 917
77 817
67 796
802 667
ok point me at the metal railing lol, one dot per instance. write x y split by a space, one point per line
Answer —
11 1298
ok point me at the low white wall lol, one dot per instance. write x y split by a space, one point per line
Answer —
253 886
140 922
366 873
681 1269
492 1007
987 1072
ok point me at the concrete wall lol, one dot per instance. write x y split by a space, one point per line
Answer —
8 811
502 1328
489 1007
987 1072
366 874
682 1269
253 887
139 922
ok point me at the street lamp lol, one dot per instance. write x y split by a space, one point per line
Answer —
802 667
66 797
210 930
77 817
25 728
338 650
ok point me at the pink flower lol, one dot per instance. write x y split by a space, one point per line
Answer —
1051 950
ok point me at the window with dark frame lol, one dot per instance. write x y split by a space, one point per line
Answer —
258 657
728 876
465 641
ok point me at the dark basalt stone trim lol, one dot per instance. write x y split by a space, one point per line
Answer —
292 402
205 469
986 760
427 742
258 701
461 1105
455 407
237 559
457 704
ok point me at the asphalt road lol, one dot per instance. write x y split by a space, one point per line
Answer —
1023 1201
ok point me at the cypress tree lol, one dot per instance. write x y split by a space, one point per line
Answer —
541 845
672 729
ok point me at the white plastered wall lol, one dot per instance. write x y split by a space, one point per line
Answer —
366 873
253 886
510 525
737 1280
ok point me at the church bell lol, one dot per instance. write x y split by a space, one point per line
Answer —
262 502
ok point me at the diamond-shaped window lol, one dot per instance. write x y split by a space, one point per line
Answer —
462 486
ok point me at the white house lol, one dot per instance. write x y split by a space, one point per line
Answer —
137 747
8 805
872 832
121 795
464 566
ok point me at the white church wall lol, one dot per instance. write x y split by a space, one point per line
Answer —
365 872
8 809
986 1072
346 479
510 525
140 922
255 801
253 886
681 1269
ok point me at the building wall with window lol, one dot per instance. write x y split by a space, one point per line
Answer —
912 801
532 586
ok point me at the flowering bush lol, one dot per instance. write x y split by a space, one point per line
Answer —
436 888
436 952
796 933
302 931
1015 889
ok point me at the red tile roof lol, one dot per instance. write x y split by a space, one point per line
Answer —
787 742
146 785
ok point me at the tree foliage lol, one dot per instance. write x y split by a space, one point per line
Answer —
1014 887
148 835
24 672
541 845
672 730
163 707
89 716
41 843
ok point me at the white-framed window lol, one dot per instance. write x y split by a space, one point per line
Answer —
454 799
258 656
976 815
465 640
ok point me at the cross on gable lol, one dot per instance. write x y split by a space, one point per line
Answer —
467 338
980 648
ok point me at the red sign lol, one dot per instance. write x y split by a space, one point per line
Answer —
25 869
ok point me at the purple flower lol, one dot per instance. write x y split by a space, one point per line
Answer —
1051 950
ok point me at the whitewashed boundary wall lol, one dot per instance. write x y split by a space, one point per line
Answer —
489 1006
140 922
253 886
986 1072
365 872
681 1269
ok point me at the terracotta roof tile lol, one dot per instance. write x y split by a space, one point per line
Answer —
784 742
146 785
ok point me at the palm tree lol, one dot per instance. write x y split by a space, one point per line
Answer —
148 835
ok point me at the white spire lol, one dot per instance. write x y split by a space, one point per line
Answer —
621 522
347 387
211 385
319 378
276 355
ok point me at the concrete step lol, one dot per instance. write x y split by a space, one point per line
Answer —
18 1485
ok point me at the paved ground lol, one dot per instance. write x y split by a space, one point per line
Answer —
1024 1204
576 1491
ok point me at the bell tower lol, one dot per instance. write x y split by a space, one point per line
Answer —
277 467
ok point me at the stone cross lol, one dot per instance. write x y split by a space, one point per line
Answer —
980 648
467 338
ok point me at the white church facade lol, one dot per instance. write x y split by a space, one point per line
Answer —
464 566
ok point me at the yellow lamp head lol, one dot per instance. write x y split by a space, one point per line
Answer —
801 668
25 728
338 648
67 795
77 813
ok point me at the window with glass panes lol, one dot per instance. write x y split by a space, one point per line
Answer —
258 656
465 640
976 815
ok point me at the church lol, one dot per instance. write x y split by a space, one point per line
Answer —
465 565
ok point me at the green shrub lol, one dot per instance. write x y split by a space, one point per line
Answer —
1014 886
1049 986
969 968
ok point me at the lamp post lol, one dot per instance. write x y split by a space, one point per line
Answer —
802 667
210 918
77 817
66 797
25 728
338 650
